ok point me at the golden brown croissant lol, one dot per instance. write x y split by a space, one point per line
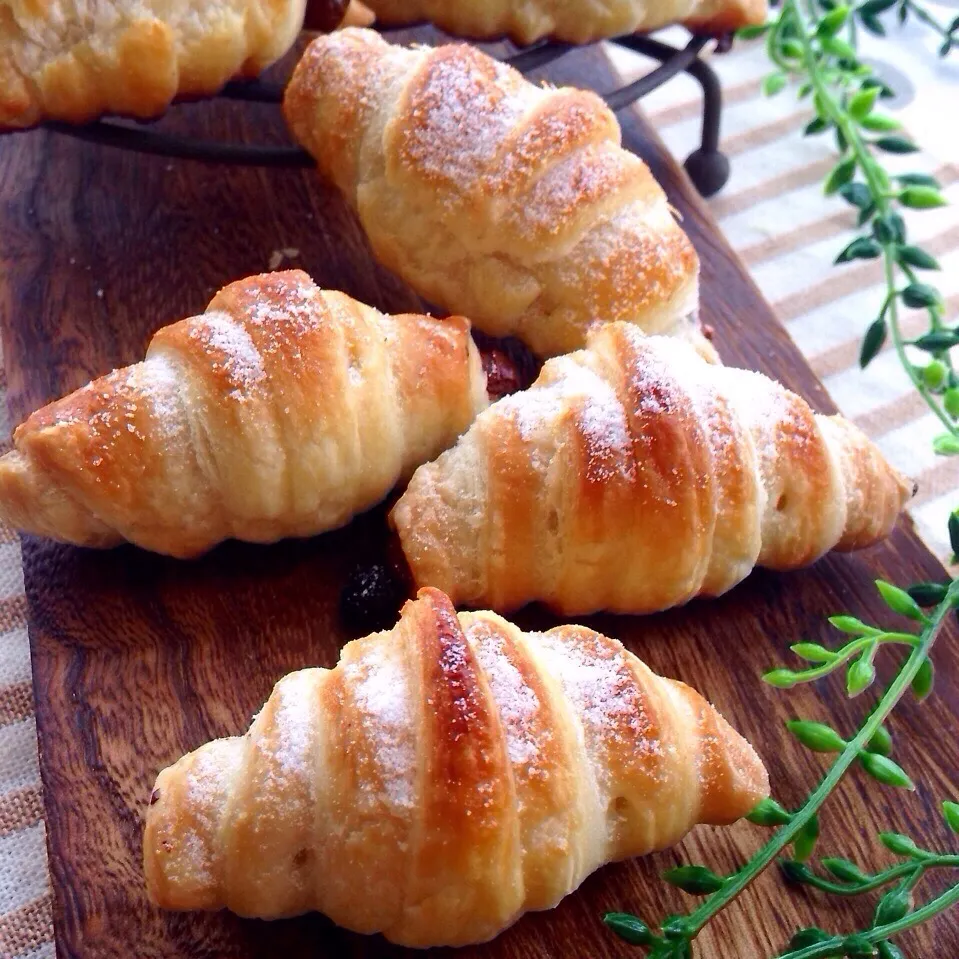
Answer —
506 202
633 476
282 410
575 21
446 777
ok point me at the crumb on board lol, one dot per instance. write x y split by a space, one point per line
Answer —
284 253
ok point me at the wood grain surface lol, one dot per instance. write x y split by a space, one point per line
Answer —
138 659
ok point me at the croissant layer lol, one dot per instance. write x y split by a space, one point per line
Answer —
511 203
282 410
575 21
633 476
444 778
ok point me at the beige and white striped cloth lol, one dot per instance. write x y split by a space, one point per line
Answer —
775 215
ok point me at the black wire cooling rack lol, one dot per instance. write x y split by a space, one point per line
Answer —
707 167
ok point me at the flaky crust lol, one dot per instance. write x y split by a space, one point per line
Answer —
282 410
633 476
74 60
510 203
446 777
575 21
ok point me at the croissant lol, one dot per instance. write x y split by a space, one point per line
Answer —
506 202
281 411
575 21
633 476
446 777
79 59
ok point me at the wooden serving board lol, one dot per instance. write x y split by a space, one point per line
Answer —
138 659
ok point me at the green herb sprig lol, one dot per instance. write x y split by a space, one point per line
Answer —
804 44
870 749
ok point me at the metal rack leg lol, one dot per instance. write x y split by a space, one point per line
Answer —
707 167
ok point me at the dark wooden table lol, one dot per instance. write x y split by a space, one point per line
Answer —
138 659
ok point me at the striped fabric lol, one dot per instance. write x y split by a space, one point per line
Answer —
775 215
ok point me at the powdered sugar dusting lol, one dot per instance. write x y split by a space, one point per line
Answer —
601 417
243 363
385 710
600 685
158 381
294 719
463 106
515 700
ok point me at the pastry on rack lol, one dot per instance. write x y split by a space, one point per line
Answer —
282 410
575 21
78 60
633 476
444 778
510 203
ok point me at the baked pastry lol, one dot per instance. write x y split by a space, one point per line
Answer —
447 776
633 476
78 60
575 21
510 203
282 410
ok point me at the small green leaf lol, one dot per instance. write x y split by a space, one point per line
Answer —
951 812
797 872
630 928
899 601
841 173
884 770
844 870
920 259
862 102
924 680
774 83
872 8
885 91
879 122
921 197
857 194
954 532
857 947
872 343
768 812
896 144
818 737
928 594
839 48
781 678
860 676
918 295
676 927
842 144
872 24
934 374
812 936
696 880
752 31
881 742
862 248
893 906
900 845
816 125
950 402
865 215
888 950
804 90
935 343
945 444
946 47
888 228
813 652
793 49
805 840
850 625
919 179
832 22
